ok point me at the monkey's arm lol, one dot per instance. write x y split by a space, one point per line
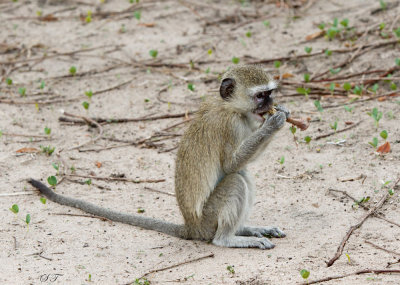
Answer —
134 220
251 144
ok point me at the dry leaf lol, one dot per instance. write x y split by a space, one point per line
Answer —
348 123
48 18
98 164
385 148
147 25
28 150
315 35
287 75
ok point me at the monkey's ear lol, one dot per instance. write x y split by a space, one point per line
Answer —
227 87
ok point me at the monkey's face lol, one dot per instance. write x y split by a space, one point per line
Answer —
262 97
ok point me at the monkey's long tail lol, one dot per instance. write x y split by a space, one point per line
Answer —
134 220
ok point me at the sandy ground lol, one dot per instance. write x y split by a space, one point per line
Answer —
113 49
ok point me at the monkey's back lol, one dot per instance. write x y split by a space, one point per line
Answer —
200 157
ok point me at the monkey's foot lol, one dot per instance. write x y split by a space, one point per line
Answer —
240 241
261 232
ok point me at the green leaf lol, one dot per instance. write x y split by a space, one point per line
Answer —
43 200
306 77
137 14
47 130
42 84
52 180
328 52
1 134
153 53
384 134
307 139
308 49
235 60
397 61
383 4
374 142
335 22
293 129
393 86
375 87
304 91
277 63
397 32
28 219
321 26
282 160
210 51
266 24
22 91
89 94
335 70
382 26
332 87
190 86
72 70
317 104
358 89
88 182
334 126
345 23
140 210
248 34
85 105
14 208
332 32
347 86
348 108
9 81
55 166
305 273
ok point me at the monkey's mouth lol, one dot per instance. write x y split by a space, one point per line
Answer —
261 112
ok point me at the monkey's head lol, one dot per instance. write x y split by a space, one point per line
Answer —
248 88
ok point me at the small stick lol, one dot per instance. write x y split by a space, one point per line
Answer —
174 265
158 191
382 248
339 131
118 179
359 272
301 124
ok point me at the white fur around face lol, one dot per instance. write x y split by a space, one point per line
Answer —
270 86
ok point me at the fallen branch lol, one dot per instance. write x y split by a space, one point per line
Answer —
117 179
356 226
382 248
364 271
339 131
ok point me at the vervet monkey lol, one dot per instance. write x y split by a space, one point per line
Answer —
214 190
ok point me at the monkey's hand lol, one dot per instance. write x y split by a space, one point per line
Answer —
283 109
274 122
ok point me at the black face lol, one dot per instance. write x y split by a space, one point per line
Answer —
263 101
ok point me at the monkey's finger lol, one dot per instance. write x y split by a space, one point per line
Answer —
283 109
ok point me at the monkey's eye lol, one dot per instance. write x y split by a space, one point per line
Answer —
260 95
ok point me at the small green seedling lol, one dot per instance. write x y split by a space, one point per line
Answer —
375 87
42 85
266 24
90 277
332 87
47 149
335 70
153 53
348 108
345 23
248 34
142 281
231 269
72 70
308 49
277 63
140 210
374 142
317 105
347 86
282 160
376 115
363 200
321 26
384 134
52 180
303 91
137 14
88 18
397 61
328 52
235 60
358 89
28 219
293 129
393 86
88 182
306 77
55 166
348 258
334 126
43 200
47 131
210 51
85 105
383 4
22 91
14 208
307 139
1 134
191 86
9 81
332 32
304 273
89 94
397 32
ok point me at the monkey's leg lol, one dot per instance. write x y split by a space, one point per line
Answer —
268 231
226 209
